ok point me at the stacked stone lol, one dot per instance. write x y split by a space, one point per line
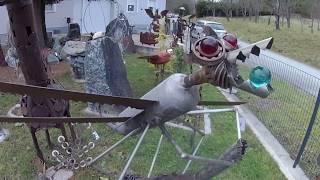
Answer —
75 51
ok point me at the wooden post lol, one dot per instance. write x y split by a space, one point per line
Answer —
28 40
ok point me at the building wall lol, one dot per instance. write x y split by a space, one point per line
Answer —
57 19
92 16
138 17
4 23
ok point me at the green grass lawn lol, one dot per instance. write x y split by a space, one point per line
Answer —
303 46
17 153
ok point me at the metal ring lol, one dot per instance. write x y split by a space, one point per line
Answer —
85 149
58 160
80 154
89 159
61 139
64 145
76 166
55 153
71 161
91 145
77 142
83 163
69 150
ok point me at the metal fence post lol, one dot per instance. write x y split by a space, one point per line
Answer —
309 130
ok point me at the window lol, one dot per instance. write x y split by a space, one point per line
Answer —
131 5
50 8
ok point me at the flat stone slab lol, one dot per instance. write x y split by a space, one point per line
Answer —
4 134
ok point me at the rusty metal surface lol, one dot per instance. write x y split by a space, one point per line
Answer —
148 38
73 95
47 120
4 2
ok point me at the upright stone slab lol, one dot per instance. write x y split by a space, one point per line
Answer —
120 31
105 71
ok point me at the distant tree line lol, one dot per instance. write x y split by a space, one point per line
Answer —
253 9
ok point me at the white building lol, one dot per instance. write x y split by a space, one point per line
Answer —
91 15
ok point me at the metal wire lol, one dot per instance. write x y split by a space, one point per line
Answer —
287 112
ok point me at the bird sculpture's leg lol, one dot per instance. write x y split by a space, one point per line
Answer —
72 131
188 156
63 130
36 144
48 139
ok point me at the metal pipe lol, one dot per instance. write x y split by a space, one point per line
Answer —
113 146
238 124
134 152
194 153
155 156
210 111
262 92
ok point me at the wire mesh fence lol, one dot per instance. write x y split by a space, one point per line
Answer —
287 111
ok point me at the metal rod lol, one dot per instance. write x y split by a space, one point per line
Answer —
238 124
113 146
309 130
134 152
194 153
184 155
193 128
155 156
210 111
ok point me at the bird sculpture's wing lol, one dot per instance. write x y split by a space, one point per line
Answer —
150 13
164 13
243 52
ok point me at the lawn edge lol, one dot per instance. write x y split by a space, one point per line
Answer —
269 142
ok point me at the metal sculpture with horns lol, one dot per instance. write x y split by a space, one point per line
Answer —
175 96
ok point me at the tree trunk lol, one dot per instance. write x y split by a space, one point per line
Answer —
277 22
282 20
2 59
277 15
269 20
37 8
301 22
288 17
256 18
318 24
25 31
43 23
312 21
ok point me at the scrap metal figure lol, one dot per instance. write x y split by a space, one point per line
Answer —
175 96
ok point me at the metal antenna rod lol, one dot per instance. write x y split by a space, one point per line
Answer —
112 147
155 156
193 154
134 152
